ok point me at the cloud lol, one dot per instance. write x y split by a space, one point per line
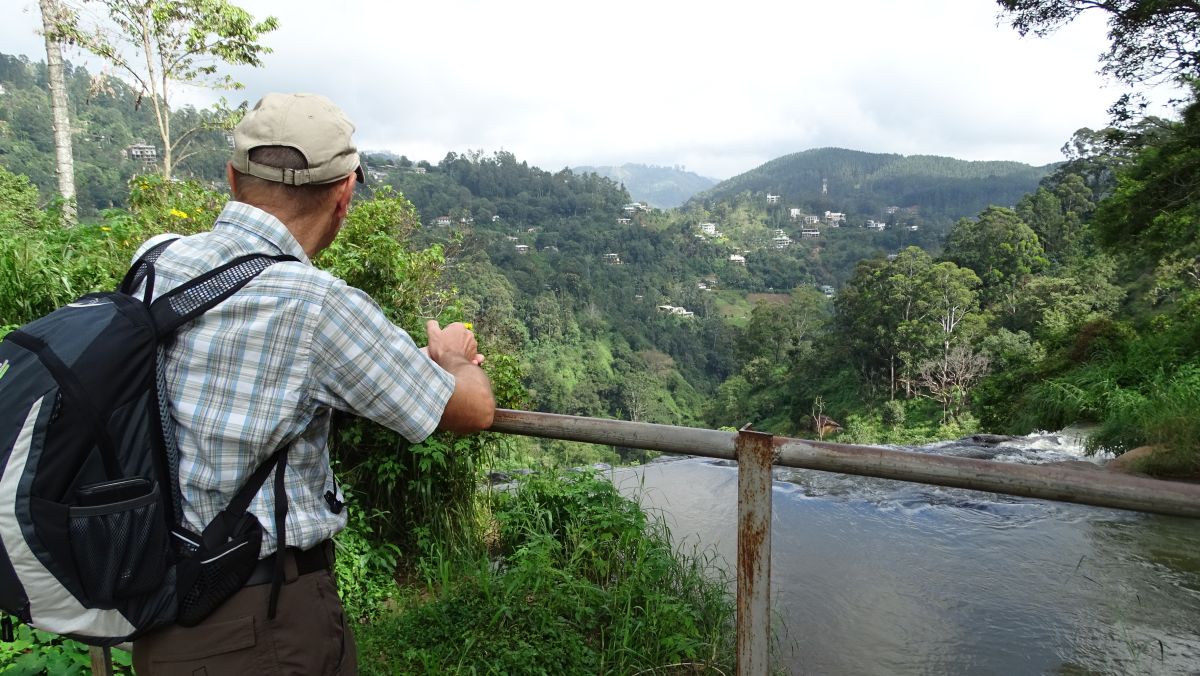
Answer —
719 87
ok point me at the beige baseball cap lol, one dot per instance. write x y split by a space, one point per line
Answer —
311 124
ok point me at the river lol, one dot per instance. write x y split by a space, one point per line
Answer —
871 576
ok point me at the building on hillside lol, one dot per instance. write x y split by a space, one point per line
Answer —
876 225
467 220
810 232
142 152
891 210
834 217
912 228
827 290
809 219
795 213
772 199
496 218
624 221
675 310
612 259
781 241
737 259
522 248
443 221
709 229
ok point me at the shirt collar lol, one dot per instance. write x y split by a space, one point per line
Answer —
251 219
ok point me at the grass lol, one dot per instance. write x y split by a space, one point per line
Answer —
579 580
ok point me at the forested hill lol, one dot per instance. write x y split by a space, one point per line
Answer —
864 184
108 119
662 187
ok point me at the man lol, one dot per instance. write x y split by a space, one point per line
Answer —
265 369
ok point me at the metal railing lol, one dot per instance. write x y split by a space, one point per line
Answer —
756 452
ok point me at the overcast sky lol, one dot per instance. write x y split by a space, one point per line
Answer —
717 87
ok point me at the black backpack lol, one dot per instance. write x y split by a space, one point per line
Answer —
90 506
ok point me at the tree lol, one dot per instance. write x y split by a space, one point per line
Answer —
948 379
1151 40
999 247
64 164
952 303
160 44
1154 210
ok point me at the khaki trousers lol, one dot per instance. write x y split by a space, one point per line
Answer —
309 636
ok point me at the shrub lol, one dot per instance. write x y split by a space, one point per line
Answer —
587 583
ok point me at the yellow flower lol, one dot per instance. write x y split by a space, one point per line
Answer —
179 214
469 325
105 228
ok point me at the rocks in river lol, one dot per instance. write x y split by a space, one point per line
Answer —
991 439
1130 461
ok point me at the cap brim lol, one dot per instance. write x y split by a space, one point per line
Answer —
358 171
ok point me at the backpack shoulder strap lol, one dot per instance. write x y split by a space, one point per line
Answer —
143 268
197 296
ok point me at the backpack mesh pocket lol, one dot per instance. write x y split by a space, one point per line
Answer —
207 576
120 547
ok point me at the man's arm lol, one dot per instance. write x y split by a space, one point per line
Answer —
471 407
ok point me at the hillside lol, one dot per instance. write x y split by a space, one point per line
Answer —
661 187
864 184
106 122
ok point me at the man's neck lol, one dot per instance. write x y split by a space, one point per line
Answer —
305 228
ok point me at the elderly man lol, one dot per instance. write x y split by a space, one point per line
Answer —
265 369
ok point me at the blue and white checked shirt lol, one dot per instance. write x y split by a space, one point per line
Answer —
264 369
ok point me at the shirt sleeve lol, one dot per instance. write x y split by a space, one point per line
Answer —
364 364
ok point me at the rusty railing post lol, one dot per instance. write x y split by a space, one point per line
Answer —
755 452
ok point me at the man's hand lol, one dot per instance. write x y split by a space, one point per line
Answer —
453 341
471 407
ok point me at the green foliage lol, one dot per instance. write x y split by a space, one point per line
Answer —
1154 210
365 562
999 247
44 268
586 583
923 423
36 652
893 414
18 203
107 119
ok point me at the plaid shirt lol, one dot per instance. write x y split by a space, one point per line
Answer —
265 368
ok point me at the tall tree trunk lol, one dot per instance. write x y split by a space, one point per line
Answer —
64 164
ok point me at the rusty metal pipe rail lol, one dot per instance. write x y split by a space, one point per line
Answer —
1049 482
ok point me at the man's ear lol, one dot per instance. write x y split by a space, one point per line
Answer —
231 176
344 194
